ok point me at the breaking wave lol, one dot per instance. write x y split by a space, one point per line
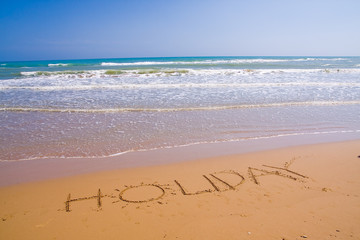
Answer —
177 71
215 62
57 64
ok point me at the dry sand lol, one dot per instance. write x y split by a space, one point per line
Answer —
305 192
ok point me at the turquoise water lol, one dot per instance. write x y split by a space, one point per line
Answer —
104 107
10 70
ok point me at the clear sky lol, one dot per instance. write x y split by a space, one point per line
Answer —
73 29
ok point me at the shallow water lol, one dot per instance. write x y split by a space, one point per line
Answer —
104 107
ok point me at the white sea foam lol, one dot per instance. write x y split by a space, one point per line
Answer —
235 61
135 63
106 73
60 74
28 73
318 59
215 62
205 62
57 64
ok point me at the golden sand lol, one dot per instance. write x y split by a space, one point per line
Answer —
305 192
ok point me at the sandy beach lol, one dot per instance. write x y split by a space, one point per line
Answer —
301 192
179 120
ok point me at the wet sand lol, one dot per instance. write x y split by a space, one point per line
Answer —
298 192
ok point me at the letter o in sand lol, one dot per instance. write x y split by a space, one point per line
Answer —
142 193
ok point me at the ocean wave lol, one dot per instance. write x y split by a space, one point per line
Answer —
176 71
28 73
104 72
215 62
182 86
57 64
136 63
319 59
209 108
47 73
204 62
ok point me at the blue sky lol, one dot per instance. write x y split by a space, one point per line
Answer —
39 29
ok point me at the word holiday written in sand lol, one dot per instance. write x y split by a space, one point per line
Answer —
217 183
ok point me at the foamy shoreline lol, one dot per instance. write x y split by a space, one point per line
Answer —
86 108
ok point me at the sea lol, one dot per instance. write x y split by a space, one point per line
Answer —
98 108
